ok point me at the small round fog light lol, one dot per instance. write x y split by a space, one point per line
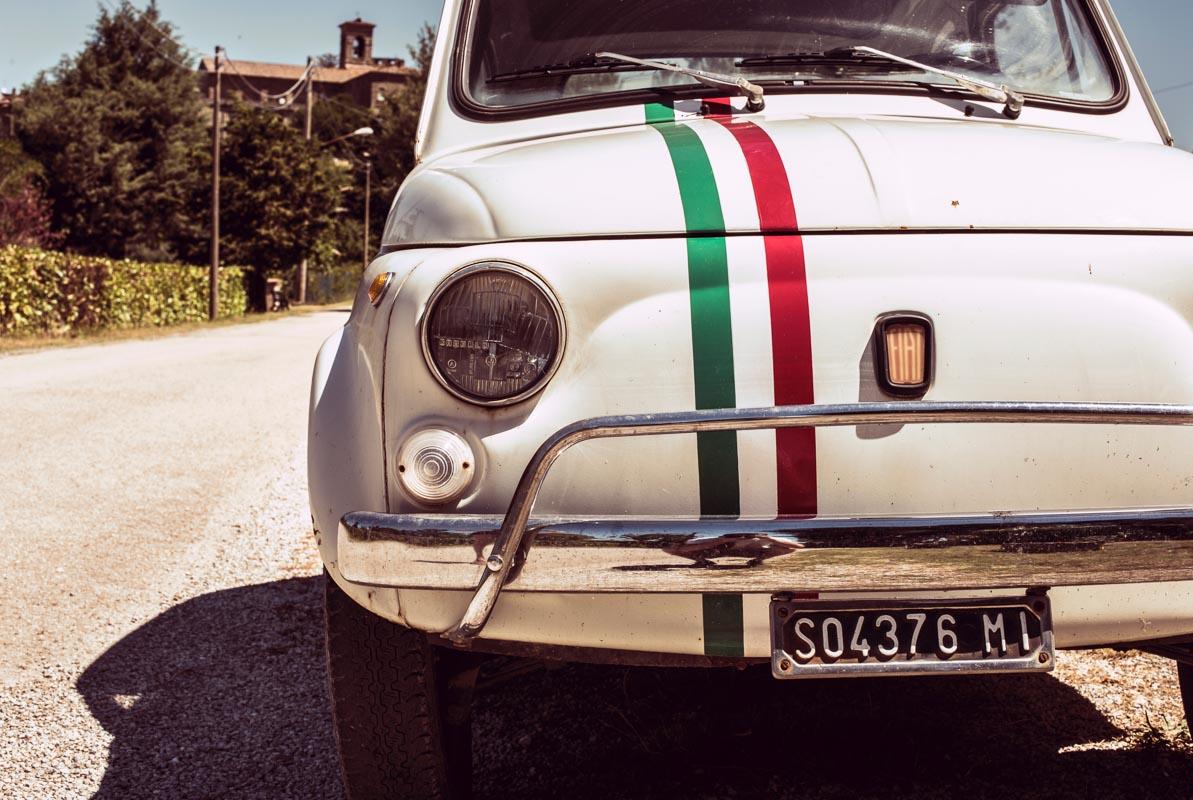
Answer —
435 466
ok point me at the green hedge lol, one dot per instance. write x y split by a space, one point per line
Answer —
60 293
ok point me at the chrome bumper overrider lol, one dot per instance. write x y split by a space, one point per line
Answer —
485 554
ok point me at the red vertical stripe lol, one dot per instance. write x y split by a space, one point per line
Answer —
790 326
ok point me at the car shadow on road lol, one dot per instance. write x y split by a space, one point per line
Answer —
225 695
588 732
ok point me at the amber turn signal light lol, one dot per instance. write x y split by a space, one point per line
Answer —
378 286
903 354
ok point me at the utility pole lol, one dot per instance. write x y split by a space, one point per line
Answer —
368 192
302 265
310 89
213 277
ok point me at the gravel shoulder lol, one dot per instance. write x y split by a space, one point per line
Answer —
161 618
160 562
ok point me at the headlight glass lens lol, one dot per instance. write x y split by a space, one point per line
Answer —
493 333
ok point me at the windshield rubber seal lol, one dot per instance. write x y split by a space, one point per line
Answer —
466 106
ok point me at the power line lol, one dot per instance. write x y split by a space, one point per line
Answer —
167 56
287 95
169 37
1184 85
355 109
164 54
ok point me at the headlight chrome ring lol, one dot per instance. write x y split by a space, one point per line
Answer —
492 333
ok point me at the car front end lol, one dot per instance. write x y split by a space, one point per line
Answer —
873 380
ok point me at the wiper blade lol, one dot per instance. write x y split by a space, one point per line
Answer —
831 58
576 66
868 56
752 91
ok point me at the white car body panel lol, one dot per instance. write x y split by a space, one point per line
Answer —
1052 255
867 173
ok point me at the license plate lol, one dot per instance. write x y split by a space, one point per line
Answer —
821 639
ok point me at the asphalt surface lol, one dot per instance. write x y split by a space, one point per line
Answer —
160 632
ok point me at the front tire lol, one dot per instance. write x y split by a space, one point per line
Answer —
1186 677
400 709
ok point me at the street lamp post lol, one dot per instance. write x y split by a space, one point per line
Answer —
368 195
308 107
213 273
365 131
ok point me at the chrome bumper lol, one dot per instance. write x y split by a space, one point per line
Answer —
485 554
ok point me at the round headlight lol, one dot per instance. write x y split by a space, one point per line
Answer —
493 333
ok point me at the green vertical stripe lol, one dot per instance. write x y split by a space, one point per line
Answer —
724 633
658 112
712 330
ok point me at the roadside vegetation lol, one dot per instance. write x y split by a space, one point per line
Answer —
105 192
48 293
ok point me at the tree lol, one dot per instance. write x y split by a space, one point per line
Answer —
25 216
279 195
120 130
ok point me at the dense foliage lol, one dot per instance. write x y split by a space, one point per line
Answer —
120 131
43 292
279 195
25 215
114 155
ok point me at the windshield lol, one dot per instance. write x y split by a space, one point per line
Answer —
536 51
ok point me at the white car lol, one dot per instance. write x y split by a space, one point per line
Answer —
850 336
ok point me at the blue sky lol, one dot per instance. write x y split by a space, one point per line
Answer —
35 33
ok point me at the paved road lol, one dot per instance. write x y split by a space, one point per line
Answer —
160 630
156 590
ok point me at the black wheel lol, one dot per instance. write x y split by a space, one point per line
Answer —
401 707
1186 673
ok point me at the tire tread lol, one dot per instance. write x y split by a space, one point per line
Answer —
1186 680
384 704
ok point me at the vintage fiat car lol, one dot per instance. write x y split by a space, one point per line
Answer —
852 337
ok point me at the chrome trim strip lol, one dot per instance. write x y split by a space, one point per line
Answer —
1149 99
990 551
802 232
514 525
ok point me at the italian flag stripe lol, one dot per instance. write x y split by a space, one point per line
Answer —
712 329
712 337
791 330
724 633
658 112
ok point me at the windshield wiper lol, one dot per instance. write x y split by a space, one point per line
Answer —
868 56
1012 101
842 57
752 91
574 67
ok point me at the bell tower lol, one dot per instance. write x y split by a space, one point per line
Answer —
356 42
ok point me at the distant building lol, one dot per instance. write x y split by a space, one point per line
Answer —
359 76
8 117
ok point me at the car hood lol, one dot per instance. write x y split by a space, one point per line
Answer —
846 174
